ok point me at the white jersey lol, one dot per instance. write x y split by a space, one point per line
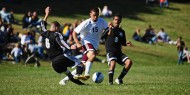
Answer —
90 32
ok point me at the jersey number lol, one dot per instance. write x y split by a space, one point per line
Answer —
47 43
95 29
116 39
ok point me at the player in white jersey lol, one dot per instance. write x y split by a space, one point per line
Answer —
90 31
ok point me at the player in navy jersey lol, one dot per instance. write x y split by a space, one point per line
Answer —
115 39
55 47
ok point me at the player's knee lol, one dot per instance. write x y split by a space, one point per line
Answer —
91 54
129 62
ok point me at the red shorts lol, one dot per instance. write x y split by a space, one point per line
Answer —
87 47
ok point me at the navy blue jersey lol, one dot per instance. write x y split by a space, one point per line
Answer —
115 40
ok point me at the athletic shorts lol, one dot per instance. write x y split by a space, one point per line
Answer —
61 62
87 47
118 56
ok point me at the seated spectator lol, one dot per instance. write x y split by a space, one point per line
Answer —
32 54
16 53
6 17
2 26
149 34
186 55
26 20
35 21
106 12
137 36
161 36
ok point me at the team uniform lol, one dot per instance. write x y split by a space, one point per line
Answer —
90 33
56 47
114 44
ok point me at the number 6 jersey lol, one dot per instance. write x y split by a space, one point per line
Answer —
54 43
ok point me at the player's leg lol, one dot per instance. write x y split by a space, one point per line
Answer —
112 63
60 64
87 59
127 65
111 71
88 64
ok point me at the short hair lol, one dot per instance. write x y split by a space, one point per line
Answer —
96 10
117 15
56 23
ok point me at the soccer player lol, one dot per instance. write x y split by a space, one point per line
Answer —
115 39
90 32
55 47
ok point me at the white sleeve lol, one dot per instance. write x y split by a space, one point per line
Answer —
12 51
80 28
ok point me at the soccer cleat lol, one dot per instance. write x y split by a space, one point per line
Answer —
110 83
119 81
76 81
62 82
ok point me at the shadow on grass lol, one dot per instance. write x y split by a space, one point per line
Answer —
73 8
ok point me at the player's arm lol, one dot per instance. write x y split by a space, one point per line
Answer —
124 42
107 31
76 40
44 22
60 41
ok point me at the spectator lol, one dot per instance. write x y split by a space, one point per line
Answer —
180 47
5 16
35 21
16 53
164 2
106 12
149 34
161 36
26 20
137 36
32 52
186 55
40 47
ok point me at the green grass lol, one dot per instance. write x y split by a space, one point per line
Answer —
155 69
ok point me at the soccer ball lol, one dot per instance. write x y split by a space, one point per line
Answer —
97 77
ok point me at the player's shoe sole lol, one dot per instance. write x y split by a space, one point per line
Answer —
81 77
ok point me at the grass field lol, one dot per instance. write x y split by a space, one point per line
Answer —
154 72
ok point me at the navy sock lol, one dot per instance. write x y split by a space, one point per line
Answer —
123 73
110 74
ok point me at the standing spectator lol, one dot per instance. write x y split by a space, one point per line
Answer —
164 2
180 47
114 42
16 53
106 12
90 31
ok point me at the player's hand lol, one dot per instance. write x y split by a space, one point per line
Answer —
128 43
47 10
110 25
79 45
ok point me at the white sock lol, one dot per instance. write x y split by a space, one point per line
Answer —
87 68
67 78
